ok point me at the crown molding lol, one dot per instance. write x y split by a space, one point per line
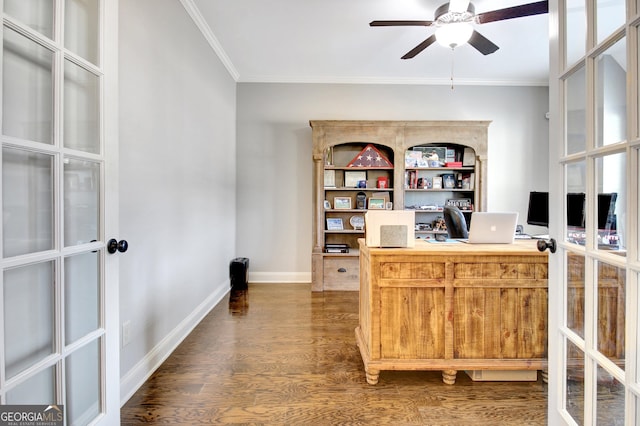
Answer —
382 80
206 31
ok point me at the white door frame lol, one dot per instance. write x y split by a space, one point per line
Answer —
557 414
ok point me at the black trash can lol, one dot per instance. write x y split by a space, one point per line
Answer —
238 273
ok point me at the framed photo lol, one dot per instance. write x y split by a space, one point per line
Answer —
433 156
329 178
352 178
436 182
377 204
341 203
469 157
334 224
327 205
448 181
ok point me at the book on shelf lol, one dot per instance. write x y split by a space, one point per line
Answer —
336 248
451 164
411 179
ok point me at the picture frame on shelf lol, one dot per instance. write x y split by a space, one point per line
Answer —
334 224
342 203
329 178
377 203
327 205
436 182
433 156
468 157
448 181
352 178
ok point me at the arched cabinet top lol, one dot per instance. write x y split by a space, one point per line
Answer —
400 135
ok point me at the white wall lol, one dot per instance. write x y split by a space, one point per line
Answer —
177 180
275 163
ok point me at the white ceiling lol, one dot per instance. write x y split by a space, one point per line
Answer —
330 41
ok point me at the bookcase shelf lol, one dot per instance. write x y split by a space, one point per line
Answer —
337 146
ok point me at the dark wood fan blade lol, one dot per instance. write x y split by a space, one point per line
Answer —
482 44
537 8
419 48
400 23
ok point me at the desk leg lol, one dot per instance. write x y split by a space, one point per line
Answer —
449 376
372 375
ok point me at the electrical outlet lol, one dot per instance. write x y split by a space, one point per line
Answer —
126 333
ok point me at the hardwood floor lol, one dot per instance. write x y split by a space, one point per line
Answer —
282 355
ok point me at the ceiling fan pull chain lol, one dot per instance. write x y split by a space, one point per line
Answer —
452 52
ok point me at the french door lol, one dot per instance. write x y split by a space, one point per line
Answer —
594 275
58 284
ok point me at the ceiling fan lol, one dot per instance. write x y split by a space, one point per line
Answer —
453 24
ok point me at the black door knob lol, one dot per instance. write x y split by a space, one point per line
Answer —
114 245
547 244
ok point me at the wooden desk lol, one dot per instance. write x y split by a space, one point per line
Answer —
453 306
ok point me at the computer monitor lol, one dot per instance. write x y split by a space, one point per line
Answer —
606 211
575 209
538 212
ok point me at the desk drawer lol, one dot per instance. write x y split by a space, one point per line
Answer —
341 273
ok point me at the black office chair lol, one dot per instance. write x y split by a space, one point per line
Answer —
456 223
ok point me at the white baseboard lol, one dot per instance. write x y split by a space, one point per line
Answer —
279 277
136 377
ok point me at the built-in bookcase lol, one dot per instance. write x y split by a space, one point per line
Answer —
362 165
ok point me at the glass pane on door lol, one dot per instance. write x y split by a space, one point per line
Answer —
83 384
37 14
27 89
81 28
81 201
574 385
40 387
611 202
81 109
81 295
610 15
611 312
28 302
611 95
574 202
27 203
576 137
609 399
575 293
576 30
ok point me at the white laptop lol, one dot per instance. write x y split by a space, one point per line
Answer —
492 227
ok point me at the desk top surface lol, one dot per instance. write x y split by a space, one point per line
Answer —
518 247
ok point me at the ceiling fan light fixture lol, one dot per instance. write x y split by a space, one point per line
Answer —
454 34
